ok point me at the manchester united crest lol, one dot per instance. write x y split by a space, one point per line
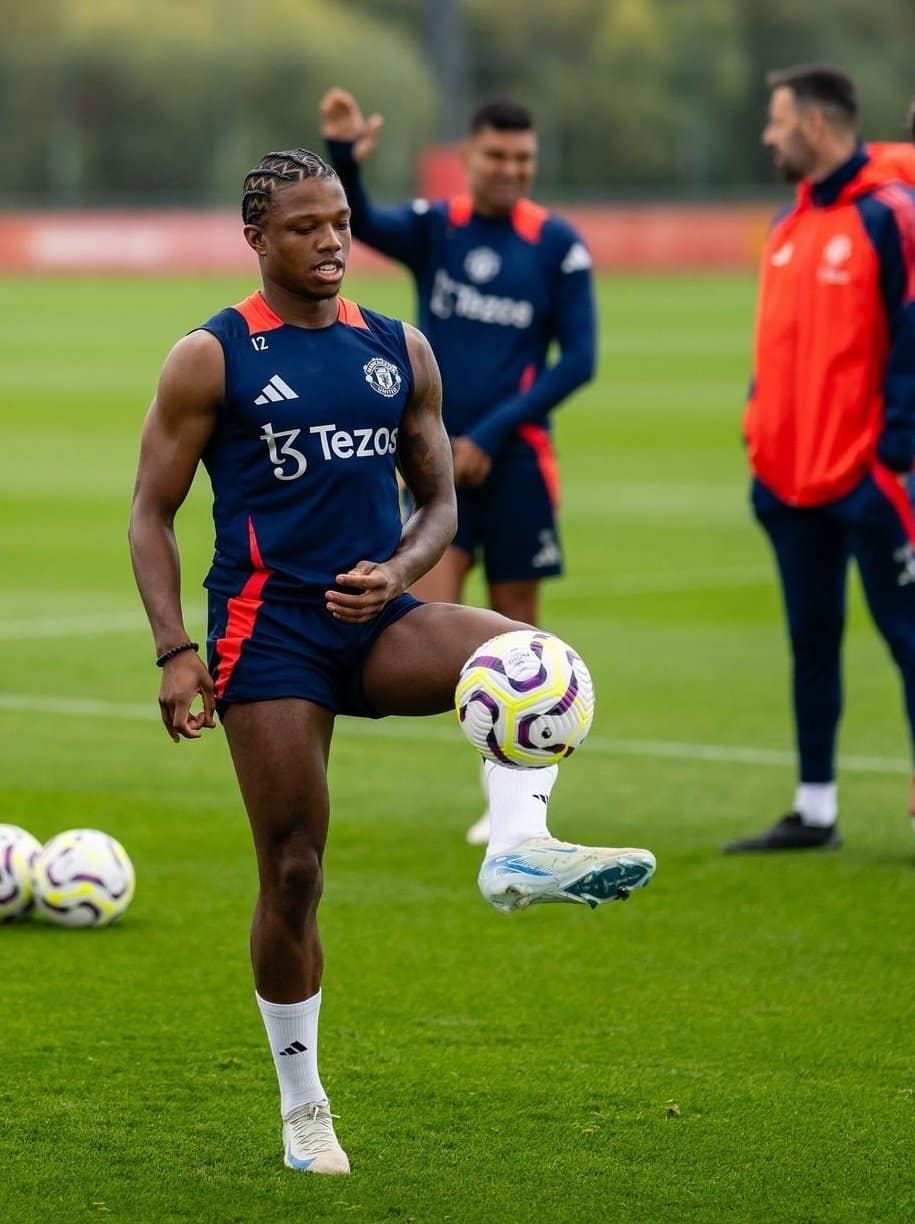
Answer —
382 376
482 264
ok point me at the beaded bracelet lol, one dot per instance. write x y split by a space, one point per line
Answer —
175 650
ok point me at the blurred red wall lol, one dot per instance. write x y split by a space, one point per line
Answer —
661 238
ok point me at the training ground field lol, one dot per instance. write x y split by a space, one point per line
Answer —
735 1044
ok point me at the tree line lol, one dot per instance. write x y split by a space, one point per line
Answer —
106 103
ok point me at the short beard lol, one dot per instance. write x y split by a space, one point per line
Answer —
795 165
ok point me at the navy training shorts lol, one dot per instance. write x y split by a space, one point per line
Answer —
511 517
263 650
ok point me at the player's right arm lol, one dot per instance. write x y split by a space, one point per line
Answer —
398 232
180 422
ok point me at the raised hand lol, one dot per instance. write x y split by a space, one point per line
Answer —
471 463
342 119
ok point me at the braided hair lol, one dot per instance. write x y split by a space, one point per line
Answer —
273 171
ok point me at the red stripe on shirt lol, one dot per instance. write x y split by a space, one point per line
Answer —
257 314
349 313
254 550
460 210
528 220
903 208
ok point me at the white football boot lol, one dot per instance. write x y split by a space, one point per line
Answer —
543 869
309 1141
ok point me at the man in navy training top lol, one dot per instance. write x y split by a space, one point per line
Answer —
498 280
300 404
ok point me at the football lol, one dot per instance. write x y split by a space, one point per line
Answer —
525 698
18 850
82 878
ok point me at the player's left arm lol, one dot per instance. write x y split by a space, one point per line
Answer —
575 330
424 458
895 243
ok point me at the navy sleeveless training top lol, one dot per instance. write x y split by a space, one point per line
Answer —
302 460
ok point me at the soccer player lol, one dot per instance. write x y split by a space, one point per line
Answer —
299 404
498 280
830 425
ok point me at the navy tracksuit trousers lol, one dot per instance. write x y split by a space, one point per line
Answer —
875 524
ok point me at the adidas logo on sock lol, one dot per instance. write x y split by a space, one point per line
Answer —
295 1048
275 391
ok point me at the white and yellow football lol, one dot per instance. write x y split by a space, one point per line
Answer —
82 878
525 698
18 851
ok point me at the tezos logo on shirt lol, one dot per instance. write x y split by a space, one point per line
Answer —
482 264
382 376
290 461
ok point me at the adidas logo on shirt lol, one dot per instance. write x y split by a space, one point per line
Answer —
296 1047
275 391
577 258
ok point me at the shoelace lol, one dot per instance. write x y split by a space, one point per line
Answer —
313 1129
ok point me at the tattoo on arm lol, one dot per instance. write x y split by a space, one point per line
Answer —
424 449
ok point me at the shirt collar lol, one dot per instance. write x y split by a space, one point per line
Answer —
828 190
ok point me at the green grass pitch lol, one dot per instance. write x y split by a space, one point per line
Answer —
733 1045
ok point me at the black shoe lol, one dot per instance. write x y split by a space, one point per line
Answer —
789 834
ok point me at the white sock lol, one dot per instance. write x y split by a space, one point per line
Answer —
485 789
292 1030
518 800
817 803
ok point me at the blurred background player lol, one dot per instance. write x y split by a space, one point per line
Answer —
498 280
830 424
307 606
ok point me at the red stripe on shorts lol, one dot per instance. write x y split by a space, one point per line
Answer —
242 616
538 438
892 489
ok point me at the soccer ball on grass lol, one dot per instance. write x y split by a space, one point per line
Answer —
525 698
83 878
18 851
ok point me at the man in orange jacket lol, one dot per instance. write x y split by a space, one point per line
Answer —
830 425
